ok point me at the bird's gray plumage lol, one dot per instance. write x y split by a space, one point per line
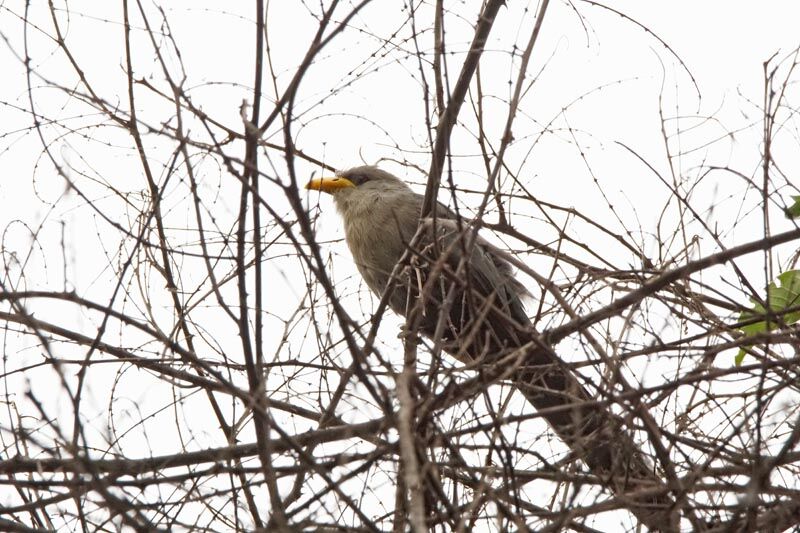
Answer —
381 217
452 274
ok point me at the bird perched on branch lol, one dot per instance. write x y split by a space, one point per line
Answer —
459 290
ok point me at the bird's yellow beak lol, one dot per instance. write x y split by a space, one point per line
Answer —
329 185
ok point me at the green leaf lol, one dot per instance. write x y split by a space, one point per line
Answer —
781 299
793 211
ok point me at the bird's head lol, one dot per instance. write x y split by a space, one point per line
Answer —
356 181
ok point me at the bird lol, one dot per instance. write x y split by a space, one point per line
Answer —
459 290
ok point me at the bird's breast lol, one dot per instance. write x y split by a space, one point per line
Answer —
377 241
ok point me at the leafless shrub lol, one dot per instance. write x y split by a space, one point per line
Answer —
187 344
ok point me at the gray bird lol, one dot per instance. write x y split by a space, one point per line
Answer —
458 290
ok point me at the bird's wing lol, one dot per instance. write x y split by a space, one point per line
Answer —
489 272
503 267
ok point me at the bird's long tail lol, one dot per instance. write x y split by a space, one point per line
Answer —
596 435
